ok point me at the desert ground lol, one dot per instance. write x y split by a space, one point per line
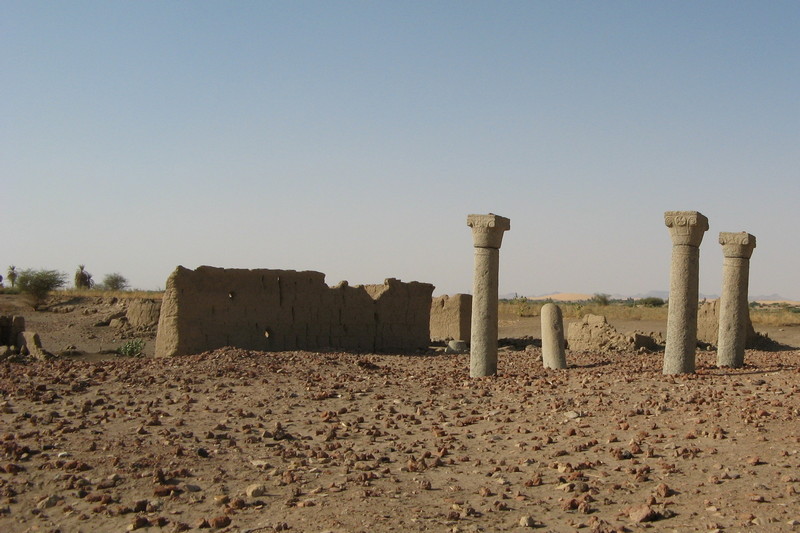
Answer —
236 440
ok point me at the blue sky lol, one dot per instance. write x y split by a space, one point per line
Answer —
354 138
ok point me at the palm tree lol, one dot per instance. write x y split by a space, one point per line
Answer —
12 275
83 279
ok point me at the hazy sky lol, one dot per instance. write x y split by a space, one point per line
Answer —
354 138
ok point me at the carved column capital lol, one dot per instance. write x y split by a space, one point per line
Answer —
487 230
686 227
739 244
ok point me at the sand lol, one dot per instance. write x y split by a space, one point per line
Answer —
235 440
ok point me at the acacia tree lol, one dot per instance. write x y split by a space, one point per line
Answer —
115 282
38 283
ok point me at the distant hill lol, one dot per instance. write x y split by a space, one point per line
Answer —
664 295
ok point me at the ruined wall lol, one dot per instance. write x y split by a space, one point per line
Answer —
402 314
143 313
451 317
276 310
708 325
593 333
10 328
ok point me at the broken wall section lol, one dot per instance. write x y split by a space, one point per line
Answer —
277 310
451 317
593 333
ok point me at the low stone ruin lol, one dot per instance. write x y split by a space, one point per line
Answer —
10 328
143 314
140 315
594 333
15 342
275 310
450 317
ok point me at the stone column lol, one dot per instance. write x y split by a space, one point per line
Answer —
686 229
487 235
553 355
737 248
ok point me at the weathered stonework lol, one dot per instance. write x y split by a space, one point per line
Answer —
487 236
553 345
143 313
734 316
450 317
276 310
30 344
686 228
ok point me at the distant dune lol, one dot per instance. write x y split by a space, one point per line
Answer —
563 297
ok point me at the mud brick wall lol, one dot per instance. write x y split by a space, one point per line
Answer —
275 310
451 317
402 314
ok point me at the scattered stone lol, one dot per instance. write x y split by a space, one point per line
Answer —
49 501
456 346
220 521
138 523
642 513
256 490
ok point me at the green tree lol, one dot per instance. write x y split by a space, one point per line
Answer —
600 299
37 284
83 279
115 282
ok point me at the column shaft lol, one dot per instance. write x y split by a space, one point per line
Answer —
733 312
737 248
487 236
686 229
483 342
679 356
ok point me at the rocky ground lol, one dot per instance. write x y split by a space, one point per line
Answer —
234 440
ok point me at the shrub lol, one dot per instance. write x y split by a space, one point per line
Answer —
652 301
115 282
38 283
132 348
600 299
